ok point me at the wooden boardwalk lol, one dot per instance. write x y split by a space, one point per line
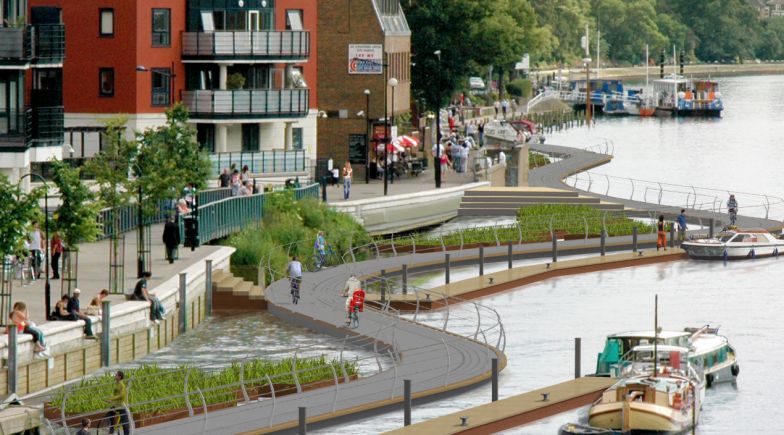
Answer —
514 411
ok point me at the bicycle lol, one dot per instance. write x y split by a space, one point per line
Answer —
295 283
319 260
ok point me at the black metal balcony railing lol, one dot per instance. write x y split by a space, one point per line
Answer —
44 126
250 45
253 103
39 44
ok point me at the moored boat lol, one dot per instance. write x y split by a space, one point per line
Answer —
679 96
659 391
735 244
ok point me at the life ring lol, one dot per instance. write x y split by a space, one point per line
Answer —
735 370
709 379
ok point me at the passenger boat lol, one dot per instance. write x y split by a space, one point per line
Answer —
707 349
679 96
638 103
659 391
735 244
602 91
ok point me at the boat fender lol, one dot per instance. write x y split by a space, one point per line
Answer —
735 370
753 254
776 252
709 379
725 254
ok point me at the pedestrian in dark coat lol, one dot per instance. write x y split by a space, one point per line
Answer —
171 238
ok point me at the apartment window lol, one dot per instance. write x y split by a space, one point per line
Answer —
161 91
107 23
106 80
294 19
250 137
296 138
161 27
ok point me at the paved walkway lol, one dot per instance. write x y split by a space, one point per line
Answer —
406 184
93 273
575 160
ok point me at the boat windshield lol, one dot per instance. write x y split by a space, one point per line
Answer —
724 238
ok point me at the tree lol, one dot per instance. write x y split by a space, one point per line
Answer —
111 169
17 212
77 217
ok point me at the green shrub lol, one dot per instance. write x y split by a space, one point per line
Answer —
520 88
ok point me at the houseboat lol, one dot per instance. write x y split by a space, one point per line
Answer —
678 96
602 90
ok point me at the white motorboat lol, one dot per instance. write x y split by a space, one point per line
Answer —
735 244
660 391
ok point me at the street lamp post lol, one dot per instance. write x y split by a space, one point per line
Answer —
170 75
47 285
437 162
393 83
367 138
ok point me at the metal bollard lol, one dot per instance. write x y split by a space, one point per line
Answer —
577 356
404 274
555 247
106 328
208 286
494 372
481 260
324 189
672 236
603 242
183 320
406 402
634 239
12 359
446 268
710 228
303 421
509 254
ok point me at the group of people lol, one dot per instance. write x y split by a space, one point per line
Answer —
681 227
69 308
454 153
240 183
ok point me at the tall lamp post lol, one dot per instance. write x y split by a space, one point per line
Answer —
47 286
367 144
437 162
393 84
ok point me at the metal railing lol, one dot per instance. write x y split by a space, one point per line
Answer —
260 162
255 103
676 195
290 44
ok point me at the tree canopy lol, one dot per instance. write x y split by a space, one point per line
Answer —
77 217
17 212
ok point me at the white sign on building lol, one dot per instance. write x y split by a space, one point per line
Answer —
365 59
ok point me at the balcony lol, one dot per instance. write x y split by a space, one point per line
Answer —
44 126
260 46
250 103
36 45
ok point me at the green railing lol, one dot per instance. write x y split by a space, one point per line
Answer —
227 216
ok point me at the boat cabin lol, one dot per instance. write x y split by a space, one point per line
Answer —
669 360
668 89
745 236
617 345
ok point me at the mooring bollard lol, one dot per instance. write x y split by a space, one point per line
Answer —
672 236
481 260
383 286
577 356
710 228
183 320
324 189
446 268
634 239
303 420
555 247
404 274
603 242
12 359
509 253
208 285
494 372
406 402
106 328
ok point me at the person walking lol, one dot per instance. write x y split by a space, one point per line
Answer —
119 402
36 249
76 314
497 107
57 251
732 209
505 107
21 318
455 154
235 182
245 176
171 238
661 240
225 178
295 278
481 130
682 226
348 174
85 427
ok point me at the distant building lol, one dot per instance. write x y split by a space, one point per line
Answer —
776 8
362 44
32 48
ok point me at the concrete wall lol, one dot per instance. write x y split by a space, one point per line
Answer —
396 213
132 334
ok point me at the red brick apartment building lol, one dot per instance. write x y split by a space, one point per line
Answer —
246 69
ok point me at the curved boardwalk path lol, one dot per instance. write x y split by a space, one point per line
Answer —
435 361
576 160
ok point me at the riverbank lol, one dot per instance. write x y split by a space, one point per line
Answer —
699 70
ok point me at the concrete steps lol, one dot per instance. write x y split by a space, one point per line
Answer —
233 294
506 201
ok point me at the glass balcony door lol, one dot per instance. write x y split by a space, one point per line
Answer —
11 103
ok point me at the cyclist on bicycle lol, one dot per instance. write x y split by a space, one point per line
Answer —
119 402
732 208
321 248
295 277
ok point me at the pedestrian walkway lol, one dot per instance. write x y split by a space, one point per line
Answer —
407 184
